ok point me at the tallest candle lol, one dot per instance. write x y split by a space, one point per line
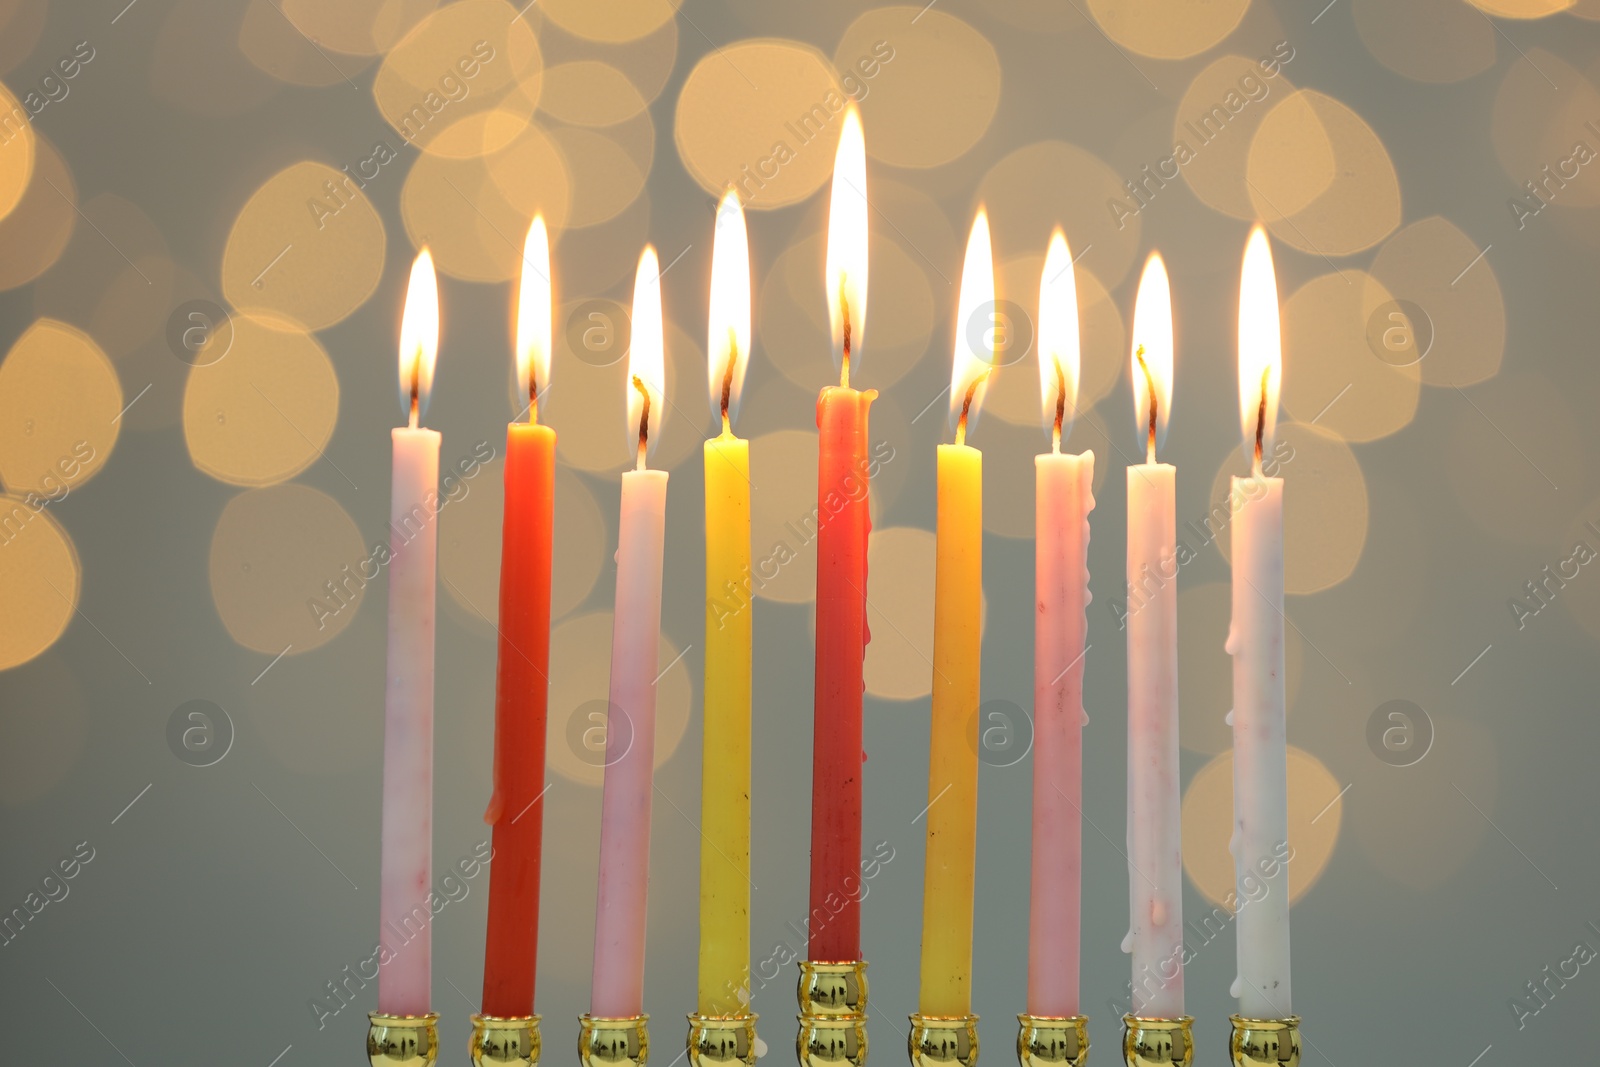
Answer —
407 860
843 523
522 686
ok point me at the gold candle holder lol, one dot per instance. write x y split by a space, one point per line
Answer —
505 1041
1157 1042
1265 1042
1052 1040
833 1014
943 1041
402 1040
719 1040
620 1041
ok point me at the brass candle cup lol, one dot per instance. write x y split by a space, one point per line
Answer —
1264 1042
943 1041
505 1041
402 1040
1052 1040
833 1014
1157 1042
721 1040
620 1041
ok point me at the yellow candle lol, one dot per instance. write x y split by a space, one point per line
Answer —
725 766
953 755
952 812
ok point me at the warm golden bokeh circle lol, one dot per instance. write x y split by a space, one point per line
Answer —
470 539
1205 612
1051 183
1336 376
1208 825
17 151
473 214
59 404
40 573
647 61
263 410
928 82
1433 41
1434 265
762 116
1174 30
1321 178
606 167
1324 506
36 232
1537 132
587 92
464 81
1216 120
613 22
288 570
1521 9
307 246
577 720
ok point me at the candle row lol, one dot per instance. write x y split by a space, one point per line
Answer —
1064 504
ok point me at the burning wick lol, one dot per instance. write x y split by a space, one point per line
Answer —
416 394
1261 418
966 407
1149 388
844 314
1061 409
727 380
533 400
644 421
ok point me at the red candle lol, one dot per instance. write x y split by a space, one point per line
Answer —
843 522
516 809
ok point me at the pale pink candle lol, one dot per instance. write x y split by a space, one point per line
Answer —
622 897
1064 498
1155 862
406 916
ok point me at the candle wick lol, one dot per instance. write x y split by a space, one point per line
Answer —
1150 391
416 392
1061 408
966 407
644 421
533 399
727 380
844 314
1261 419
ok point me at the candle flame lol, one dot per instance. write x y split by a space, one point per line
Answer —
973 359
845 275
1058 340
1260 348
647 375
1152 354
533 318
419 338
728 340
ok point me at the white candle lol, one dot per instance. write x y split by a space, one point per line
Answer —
1063 499
621 900
1155 865
407 857
1255 640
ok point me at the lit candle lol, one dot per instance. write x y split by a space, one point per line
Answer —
843 523
952 812
1260 754
620 901
1063 488
516 808
725 764
407 855
1155 866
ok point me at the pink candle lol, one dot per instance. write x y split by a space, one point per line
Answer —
622 897
407 858
1155 863
1064 499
